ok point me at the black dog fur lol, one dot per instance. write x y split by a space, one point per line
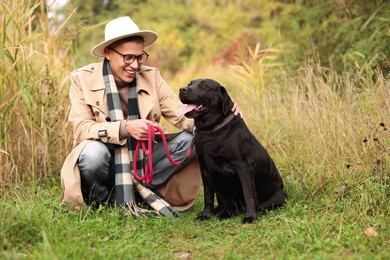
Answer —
234 165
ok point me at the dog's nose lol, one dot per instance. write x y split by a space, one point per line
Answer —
183 90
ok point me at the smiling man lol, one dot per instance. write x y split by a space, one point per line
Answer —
112 103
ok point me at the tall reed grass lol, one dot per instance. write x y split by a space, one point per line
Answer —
35 57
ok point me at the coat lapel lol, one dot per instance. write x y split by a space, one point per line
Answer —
145 101
97 90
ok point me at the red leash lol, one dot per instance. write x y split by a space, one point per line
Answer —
148 173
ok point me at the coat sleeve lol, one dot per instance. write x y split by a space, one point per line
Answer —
88 123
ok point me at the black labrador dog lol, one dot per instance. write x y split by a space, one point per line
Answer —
234 165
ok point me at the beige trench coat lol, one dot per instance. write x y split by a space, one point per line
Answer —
90 117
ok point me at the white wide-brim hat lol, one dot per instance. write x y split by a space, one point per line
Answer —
120 28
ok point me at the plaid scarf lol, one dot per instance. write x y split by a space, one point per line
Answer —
124 154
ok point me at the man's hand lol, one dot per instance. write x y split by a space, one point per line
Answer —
138 128
236 111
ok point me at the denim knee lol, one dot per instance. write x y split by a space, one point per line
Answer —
94 156
94 165
183 141
94 161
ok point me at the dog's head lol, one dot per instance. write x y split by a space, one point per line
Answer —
206 101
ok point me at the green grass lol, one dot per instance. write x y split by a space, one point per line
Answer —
328 225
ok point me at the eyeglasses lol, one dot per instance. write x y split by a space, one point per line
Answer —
130 58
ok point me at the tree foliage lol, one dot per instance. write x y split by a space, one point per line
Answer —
342 34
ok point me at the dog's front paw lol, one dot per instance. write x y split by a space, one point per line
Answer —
217 210
203 217
248 220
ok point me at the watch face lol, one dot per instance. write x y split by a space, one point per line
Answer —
102 133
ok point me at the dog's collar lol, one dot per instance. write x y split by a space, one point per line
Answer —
217 127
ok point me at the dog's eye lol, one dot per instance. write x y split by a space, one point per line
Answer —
204 85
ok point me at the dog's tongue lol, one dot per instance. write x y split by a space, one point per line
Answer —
187 108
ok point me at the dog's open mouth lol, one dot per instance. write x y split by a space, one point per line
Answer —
191 109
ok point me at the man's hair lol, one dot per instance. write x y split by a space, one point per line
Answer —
127 39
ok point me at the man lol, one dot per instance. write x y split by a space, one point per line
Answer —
112 103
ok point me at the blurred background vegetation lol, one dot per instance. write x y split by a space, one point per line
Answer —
342 34
255 47
251 46
332 56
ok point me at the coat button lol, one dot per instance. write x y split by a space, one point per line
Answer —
97 113
97 103
155 116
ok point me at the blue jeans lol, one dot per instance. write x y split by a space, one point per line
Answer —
97 166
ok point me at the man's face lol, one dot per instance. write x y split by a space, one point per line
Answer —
124 73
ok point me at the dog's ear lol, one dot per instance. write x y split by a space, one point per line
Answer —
227 102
